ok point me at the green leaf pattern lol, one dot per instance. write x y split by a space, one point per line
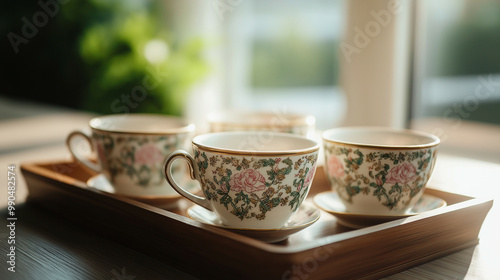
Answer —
138 157
250 187
394 177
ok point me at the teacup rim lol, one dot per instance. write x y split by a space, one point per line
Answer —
294 119
186 127
435 140
219 150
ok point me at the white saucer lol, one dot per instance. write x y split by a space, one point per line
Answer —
330 202
305 216
100 182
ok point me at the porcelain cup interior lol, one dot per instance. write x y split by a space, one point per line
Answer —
376 170
250 180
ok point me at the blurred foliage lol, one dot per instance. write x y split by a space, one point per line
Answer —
91 55
293 60
471 46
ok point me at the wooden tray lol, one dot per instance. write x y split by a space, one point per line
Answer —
324 250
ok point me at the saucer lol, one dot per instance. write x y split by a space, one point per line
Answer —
305 216
100 182
330 202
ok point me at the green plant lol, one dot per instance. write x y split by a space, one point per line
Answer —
91 55
134 67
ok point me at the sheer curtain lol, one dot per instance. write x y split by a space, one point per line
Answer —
375 56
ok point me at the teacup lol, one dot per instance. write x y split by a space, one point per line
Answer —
262 121
130 150
379 171
249 185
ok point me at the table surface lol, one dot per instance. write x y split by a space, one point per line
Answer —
48 247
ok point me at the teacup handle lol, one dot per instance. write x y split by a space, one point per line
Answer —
167 171
80 158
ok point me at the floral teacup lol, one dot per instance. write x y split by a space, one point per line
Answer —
379 171
262 121
130 150
249 182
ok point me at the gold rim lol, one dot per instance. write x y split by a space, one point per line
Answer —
255 153
91 182
368 216
434 143
292 120
381 147
185 127
314 146
318 215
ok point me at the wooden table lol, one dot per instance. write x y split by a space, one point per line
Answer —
48 247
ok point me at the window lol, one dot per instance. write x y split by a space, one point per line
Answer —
274 55
457 83
283 56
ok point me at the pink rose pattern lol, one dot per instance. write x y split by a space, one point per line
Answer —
393 176
251 187
309 178
403 174
248 181
335 167
148 154
137 157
